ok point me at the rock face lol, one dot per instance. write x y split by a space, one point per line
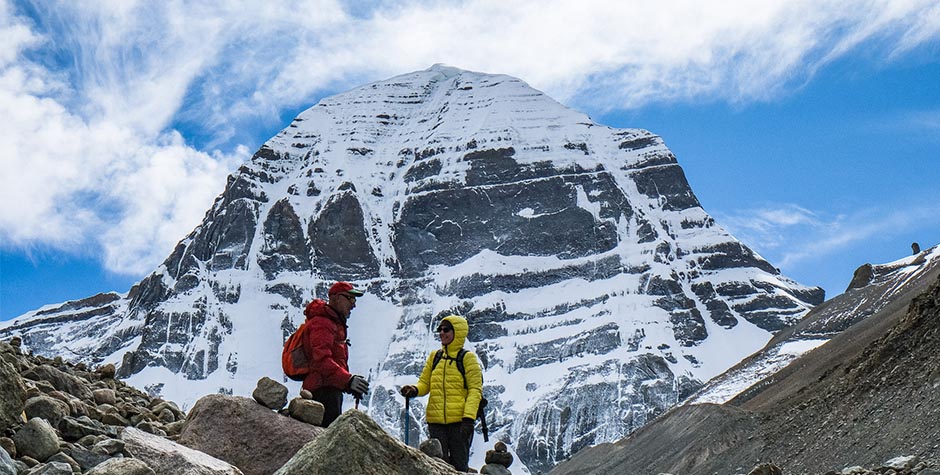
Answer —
237 429
593 281
867 396
366 450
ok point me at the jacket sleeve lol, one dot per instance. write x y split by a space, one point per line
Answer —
474 375
320 341
424 381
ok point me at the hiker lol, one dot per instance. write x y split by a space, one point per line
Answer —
452 406
327 348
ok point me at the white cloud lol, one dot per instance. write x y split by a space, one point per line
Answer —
790 235
93 93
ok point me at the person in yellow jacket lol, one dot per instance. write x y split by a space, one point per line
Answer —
452 407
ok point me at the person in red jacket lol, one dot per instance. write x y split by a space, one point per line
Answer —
327 348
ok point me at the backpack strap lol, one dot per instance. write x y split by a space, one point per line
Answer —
460 355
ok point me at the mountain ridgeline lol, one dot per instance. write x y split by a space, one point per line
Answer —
598 291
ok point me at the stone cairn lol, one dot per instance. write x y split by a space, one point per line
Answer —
497 460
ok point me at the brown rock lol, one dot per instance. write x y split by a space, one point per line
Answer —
306 410
244 433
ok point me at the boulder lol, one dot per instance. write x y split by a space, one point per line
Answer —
36 439
60 380
86 458
122 466
107 371
46 407
306 410
6 464
52 468
166 457
105 396
8 446
14 396
366 450
270 393
242 432
74 428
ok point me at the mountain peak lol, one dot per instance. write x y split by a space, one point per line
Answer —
598 291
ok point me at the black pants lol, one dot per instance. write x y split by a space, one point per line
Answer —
455 446
332 400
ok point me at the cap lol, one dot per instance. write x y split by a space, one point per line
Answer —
341 287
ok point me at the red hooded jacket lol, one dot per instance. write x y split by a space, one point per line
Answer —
326 346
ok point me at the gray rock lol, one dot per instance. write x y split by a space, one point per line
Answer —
164 406
151 427
166 457
63 458
244 433
14 396
270 393
122 466
304 394
52 468
6 464
36 439
105 396
48 408
432 448
86 458
60 380
495 469
306 410
366 449
108 446
74 428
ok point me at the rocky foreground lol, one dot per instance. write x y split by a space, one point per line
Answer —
58 418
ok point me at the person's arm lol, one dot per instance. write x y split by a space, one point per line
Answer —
424 381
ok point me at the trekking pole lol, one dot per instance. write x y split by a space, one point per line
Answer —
358 397
407 417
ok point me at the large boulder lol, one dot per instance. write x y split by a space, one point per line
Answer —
36 439
355 444
6 464
60 380
12 396
244 433
166 457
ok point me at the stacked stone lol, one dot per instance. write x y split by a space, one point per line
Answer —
273 395
60 418
497 460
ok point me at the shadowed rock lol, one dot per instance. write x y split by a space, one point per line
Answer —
14 396
355 444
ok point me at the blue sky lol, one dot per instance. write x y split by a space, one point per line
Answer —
811 130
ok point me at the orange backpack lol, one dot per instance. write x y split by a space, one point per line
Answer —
293 359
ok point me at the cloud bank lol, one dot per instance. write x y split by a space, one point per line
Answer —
123 118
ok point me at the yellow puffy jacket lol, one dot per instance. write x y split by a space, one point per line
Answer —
450 402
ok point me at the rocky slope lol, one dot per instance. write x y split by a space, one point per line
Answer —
598 290
868 395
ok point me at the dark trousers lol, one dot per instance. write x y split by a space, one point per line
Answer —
456 447
332 400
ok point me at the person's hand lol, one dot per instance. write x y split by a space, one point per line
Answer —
409 390
358 385
466 427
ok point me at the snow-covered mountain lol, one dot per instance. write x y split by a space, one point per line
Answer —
598 291
874 288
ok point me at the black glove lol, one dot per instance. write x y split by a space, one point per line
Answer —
358 385
466 428
409 390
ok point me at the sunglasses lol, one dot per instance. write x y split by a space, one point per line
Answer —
444 329
351 298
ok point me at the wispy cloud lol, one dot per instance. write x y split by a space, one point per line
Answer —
122 118
790 235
